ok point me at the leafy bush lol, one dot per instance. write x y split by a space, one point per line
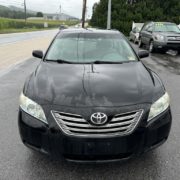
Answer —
35 24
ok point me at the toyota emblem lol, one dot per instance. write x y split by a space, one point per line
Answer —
99 118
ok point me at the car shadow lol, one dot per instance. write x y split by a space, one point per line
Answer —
169 61
172 64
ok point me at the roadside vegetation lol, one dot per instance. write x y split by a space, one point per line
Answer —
123 13
14 12
19 25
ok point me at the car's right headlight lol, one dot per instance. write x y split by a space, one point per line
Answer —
32 108
159 106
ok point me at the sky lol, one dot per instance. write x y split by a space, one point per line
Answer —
71 7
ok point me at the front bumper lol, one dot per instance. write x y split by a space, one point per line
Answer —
167 45
51 140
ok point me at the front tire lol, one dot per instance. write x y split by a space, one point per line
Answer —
151 47
135 41
140 43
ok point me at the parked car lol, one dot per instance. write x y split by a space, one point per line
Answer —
91 99
160 36
134 34
61 27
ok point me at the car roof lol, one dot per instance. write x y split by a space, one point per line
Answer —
89 30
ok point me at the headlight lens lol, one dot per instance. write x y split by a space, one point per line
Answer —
159 106
159 37
137 35
32 108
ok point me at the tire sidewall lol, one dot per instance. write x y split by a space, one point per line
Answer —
140 43
151 47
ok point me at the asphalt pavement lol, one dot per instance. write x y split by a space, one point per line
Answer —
19 163
17 47
19 37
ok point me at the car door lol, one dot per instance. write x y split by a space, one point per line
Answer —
148 34
132 33
143 33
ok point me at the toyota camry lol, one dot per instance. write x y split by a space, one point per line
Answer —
91 99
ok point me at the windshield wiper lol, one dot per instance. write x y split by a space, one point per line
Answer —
108 62
60 61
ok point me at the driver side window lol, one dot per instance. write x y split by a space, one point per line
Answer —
150 28
145 27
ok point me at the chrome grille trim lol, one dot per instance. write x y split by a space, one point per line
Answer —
122 118
98 130
96 127
173 38
76 125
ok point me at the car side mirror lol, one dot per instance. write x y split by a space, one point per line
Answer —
143 54
37 54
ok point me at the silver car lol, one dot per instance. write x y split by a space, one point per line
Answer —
134 34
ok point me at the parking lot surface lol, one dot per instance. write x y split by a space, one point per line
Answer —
16 47
19 163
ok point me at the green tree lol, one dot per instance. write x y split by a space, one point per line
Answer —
39 14
124 12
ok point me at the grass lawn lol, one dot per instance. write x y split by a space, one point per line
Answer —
6 31
19 25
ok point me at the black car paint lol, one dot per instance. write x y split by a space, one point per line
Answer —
51 140
78 85
88 88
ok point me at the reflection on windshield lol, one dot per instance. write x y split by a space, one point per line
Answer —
90 47
166 28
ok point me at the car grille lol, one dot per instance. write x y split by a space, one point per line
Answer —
121 124
174 38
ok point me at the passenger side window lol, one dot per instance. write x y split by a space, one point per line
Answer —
145 27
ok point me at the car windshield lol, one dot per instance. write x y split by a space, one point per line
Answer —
161 27
138 29
91 47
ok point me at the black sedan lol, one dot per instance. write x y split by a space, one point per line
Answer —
91 99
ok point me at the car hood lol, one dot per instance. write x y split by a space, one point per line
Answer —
168 34
88 85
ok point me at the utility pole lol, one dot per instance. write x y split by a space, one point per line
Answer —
60 8
84 13
109 15
60 12
25 17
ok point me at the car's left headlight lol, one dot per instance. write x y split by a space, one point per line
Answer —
32 108
159 106
159 37
137 35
